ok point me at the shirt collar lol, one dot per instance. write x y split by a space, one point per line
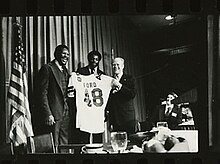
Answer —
118 76
170 107
58 65
95 70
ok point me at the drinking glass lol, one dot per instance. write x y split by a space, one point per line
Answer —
119 141
162 124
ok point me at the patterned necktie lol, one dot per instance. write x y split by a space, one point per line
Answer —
168 111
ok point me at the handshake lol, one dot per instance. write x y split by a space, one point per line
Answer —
116 85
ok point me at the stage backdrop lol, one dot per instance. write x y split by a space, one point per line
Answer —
110 35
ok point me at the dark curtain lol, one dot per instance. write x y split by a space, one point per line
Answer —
81 34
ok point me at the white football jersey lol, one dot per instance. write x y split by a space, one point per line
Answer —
92 94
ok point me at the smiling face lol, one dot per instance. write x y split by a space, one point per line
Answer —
118 66
94 61
62 56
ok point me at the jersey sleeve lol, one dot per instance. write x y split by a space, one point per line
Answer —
108 80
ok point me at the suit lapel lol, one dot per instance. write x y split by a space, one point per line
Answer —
87 70
67 72
56 73
99 72
123 79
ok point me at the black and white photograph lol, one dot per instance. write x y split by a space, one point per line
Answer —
99 84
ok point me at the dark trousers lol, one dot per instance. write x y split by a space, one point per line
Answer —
84 137
61 130
129 127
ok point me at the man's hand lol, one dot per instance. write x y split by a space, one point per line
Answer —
116 85
71 91
50 121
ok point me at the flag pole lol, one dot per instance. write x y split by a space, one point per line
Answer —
21 126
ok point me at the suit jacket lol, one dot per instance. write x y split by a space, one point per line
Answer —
51 94
174 118
86 71
120 105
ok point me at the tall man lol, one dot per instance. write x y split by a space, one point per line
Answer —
53 81
121 106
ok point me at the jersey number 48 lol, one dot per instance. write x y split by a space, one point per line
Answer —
97 98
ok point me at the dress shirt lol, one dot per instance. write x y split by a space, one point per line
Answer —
93 71
118 76
168 109
58 65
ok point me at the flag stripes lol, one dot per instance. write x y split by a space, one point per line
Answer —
16 73
16 85
16 100
21 126
16 79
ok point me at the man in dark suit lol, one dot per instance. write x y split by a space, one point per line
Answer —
120 105
171 113
53 81
94 58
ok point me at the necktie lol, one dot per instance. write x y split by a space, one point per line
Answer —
168 111
92 71
63 67
64 71
117 77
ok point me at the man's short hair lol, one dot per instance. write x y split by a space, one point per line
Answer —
120 58
94 53
173 94
59 49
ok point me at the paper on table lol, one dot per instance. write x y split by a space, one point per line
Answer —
180 147
136 149
191 137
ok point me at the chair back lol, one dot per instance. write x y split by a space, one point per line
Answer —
41 144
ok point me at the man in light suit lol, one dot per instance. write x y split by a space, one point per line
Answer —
121 106
53 81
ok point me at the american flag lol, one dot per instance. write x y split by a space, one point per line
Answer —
21 126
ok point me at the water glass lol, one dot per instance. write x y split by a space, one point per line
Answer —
119 141
162 124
